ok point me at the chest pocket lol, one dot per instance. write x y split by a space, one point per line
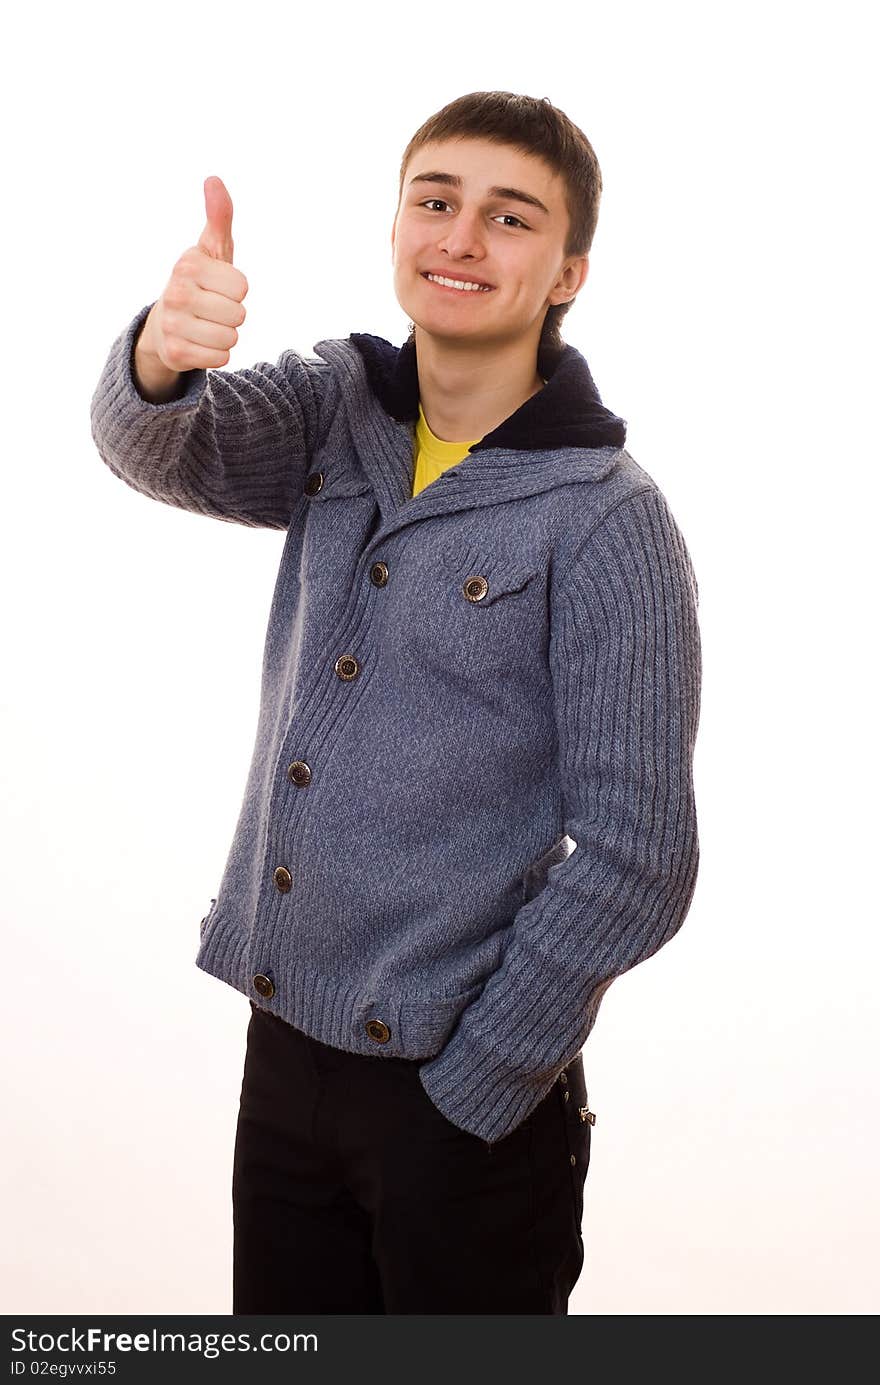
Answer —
319 486
492 610
483 579
494 584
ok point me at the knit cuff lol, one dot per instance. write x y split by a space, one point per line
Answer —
123 383
489 1091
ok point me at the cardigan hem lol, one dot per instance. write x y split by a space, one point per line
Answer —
328 1009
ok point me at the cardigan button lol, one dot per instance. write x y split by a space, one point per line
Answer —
283 878
378 574
475 588
299 773
346 667
378 1031
263 985
314 483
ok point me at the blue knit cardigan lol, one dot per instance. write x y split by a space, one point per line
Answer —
470 805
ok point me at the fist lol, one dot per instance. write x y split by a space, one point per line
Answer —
193 324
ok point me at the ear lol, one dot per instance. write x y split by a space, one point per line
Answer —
571 280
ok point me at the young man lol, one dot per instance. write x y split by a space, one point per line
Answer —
470 805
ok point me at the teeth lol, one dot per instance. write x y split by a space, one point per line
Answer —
458 284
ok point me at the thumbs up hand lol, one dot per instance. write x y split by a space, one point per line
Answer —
192 325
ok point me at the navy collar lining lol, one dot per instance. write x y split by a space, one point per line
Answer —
567 412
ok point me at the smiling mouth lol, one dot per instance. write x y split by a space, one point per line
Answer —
460 286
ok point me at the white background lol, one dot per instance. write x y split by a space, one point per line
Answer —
730 318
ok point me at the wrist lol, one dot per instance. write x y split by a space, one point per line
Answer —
156 382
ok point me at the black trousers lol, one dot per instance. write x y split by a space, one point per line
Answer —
352 1193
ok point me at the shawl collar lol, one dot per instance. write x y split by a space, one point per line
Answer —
567 412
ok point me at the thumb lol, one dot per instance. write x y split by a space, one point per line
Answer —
216 238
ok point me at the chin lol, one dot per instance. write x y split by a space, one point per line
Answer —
452 332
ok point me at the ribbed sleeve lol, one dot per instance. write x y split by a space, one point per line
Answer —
626 667
235 445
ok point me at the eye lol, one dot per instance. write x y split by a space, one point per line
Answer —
508 215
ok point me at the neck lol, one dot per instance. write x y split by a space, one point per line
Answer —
467 390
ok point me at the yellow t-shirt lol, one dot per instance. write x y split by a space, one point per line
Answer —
432 455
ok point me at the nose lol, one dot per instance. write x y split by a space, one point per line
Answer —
463 238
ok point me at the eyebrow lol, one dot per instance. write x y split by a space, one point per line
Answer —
452 180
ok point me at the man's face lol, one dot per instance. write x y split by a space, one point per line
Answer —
462 221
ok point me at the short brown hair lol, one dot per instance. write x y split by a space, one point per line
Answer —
534 126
